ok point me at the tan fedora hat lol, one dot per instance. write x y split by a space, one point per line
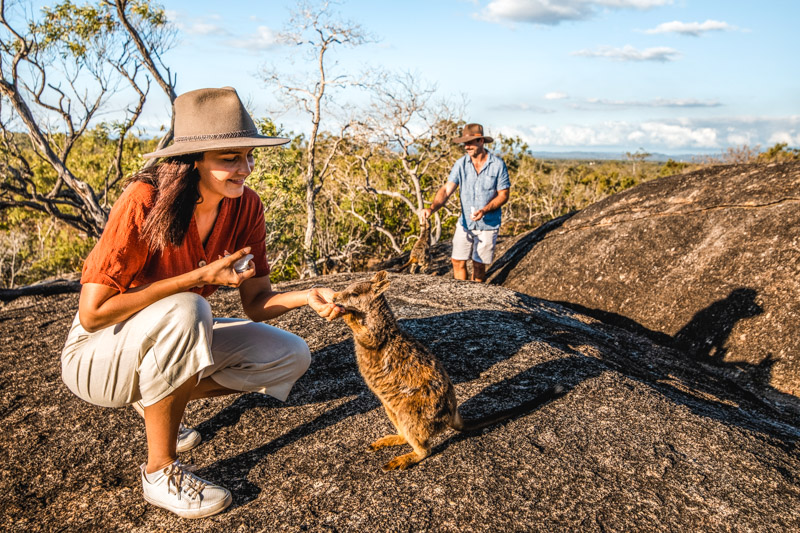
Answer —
213 119
472 132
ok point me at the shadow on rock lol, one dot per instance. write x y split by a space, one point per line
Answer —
702 372
506 263
237 468
471 343
707 332
462 341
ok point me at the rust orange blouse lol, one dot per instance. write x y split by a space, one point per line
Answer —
122 260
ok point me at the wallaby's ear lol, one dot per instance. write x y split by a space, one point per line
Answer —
379 287
380 282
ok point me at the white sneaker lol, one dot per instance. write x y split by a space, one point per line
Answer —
176 489
188 438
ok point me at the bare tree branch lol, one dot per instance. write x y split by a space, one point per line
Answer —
314 29
86 50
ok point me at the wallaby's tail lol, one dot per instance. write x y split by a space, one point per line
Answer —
467 425
400 269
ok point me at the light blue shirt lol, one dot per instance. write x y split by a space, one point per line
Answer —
478 189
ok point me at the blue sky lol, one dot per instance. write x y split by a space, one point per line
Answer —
669 76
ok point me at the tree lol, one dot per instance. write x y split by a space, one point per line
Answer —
407 126
637 157
59 70
151 35
315 30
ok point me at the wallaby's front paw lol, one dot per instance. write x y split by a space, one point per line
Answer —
389 440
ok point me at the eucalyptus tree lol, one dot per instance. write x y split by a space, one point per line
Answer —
59 69
314 31
409 126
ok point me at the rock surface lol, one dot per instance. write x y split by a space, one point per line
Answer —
708 262
643 440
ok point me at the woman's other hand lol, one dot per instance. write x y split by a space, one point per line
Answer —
221 271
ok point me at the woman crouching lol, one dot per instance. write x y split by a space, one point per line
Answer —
144 333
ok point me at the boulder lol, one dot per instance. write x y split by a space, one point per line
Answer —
644 439
707 262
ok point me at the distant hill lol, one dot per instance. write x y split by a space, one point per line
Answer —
610 156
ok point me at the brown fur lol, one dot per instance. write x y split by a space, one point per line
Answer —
420 257
409 380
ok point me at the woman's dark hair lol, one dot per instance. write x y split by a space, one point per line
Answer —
175 180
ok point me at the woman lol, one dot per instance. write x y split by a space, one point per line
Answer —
144 333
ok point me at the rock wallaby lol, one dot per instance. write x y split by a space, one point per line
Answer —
420 257
409 380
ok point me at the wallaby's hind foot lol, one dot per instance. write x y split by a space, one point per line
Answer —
421 450
385 442
401 462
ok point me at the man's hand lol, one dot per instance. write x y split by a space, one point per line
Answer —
320 299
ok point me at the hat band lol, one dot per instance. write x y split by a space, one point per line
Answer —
213 136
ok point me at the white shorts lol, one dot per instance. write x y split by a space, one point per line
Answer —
152 353
474 244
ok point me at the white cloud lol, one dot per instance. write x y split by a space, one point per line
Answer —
739 139
694 29
264 39
552 12
679 136
792 138
197 26
664 135
555 95
204 28
629 53
658 102
521 108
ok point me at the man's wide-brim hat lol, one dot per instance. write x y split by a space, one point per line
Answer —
213 119
472 132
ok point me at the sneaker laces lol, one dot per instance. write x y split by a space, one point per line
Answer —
180 476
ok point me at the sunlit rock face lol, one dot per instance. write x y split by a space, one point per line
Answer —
644 438
708 262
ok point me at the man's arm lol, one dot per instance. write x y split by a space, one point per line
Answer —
495 203
442 195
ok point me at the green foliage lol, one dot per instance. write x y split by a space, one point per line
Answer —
672 167
278 181
74 27
778 153
63 254
34 247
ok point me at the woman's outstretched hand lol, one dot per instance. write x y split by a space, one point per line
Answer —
320 299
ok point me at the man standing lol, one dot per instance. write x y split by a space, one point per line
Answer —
484 183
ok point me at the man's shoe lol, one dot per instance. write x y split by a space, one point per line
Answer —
176 489
188 438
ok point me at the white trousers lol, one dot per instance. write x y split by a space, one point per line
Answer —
155 351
